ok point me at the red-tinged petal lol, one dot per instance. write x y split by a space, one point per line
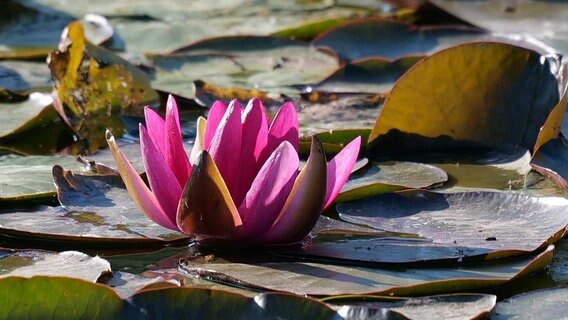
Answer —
163 182
175 154
198 143
216 113
303 206
339 169
137 189
156 128
226 145
269 191
284 127
206 209
254 139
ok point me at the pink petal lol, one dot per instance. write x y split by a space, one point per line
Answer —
138 190
198 143
303 206
156 128
175 154
225 146
269 191
284 127
254 139
162 180
339 168
216 113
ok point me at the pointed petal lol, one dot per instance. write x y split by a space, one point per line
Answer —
339 168
163 183
137 189
156 128
175 154
216 113
254 139
206 209
284 127
226 145
199 136
269 191
303 206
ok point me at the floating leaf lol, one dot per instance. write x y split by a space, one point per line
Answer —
127 284
266 64
29 178
29 263
309 30
504 223
384 177
207 94
97 211
96 86
24 77
551 160
489 95
390 39
73 298
33 126
456 306
327 279
333 141
370 75
539 304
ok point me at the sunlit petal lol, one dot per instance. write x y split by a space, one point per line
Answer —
339 168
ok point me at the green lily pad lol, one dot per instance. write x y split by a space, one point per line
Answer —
33 126
456 306
385 177
539 304
253 62
28 30
543 20
488 220
74 298
333 141
492 94
97 212
309 30
28 178
29 263
390 39
127 284
319 279
24 77
370 75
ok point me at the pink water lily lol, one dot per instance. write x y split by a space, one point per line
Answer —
242 183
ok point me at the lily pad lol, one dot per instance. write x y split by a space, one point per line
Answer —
490 94
24 77
29 263
456 306
327 279
390 39
97 212
483 220
127 284
551 161
539 304
369 75
385 177
333 141
80 299
254 62
28 178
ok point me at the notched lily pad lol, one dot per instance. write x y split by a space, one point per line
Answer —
327 279
505 223
539 304
390 39
29 263
28 178
385 177
97 211
333 141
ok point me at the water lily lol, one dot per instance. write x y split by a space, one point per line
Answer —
242 183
